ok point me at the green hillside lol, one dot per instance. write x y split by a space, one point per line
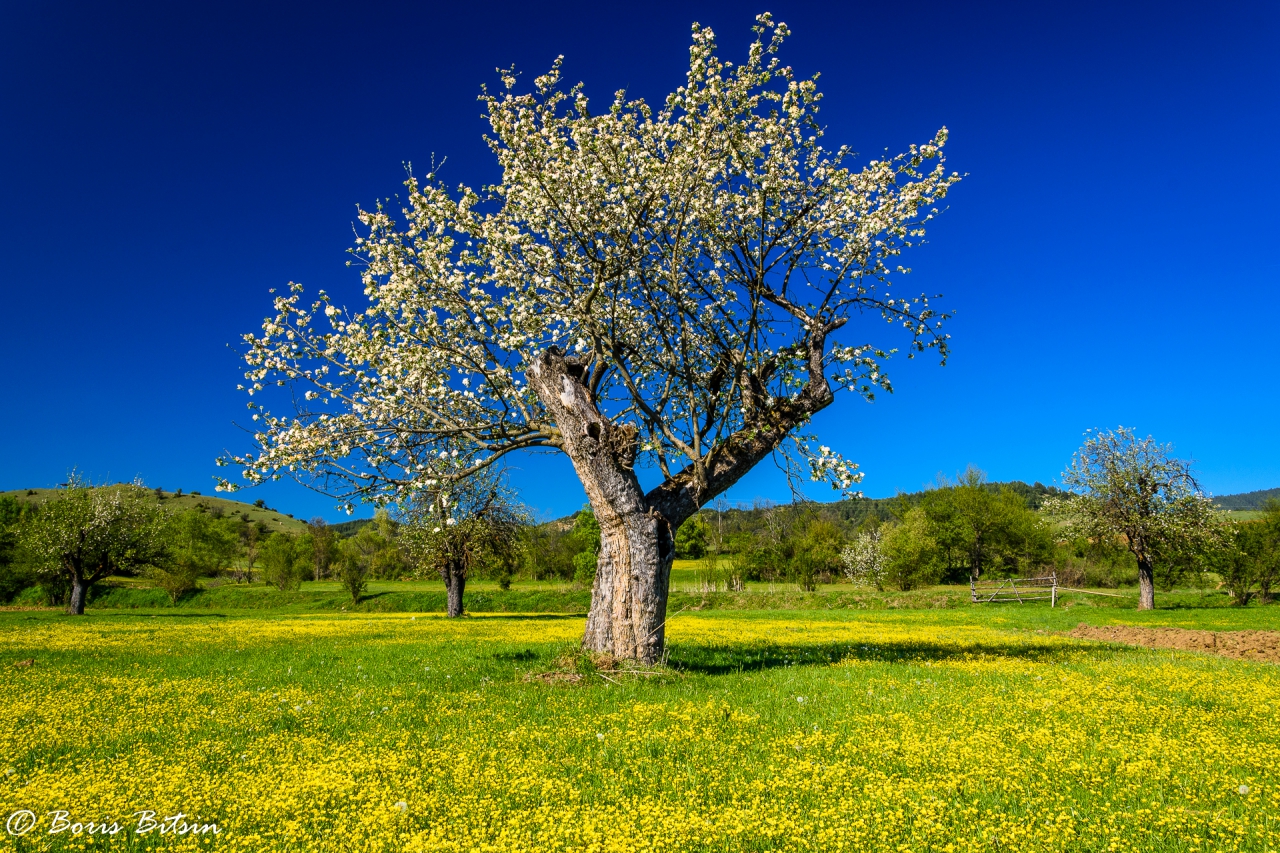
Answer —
1247 500
171 500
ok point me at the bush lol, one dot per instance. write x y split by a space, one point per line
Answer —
55 589
691 538
584 567
864 560
15 575
353 568
14 579
912 556
816 556
176 578
282 565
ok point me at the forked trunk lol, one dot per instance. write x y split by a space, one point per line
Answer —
79 592
1146 583
637 531
629 599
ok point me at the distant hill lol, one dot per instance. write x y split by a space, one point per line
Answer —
171 500
1247 500
347 529
850 513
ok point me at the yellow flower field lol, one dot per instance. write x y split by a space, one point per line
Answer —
799 731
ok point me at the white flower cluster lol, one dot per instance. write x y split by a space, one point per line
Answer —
1136 489
826 465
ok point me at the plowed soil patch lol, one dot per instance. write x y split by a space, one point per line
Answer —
1242 645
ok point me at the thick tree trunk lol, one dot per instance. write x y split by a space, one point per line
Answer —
629 598
455 583
79 592
1146 583
637 530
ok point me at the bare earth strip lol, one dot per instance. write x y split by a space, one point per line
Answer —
1242 645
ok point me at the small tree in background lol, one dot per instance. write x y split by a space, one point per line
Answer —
378 548
252 537
816 553
548 551
470 523
586 534
1235 562
1123 487
1264 547
283 563
912 557
15 574
324 546
864 560
83 534
353 567
195 544
691 538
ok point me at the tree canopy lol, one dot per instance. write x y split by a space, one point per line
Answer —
681 286
1121 486
700 259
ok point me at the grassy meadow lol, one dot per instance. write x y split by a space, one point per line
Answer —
932 729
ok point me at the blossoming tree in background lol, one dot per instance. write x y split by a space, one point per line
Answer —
680 286
83 534
864 560
456 527
1132 489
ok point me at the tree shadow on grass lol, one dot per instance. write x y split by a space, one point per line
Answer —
726 660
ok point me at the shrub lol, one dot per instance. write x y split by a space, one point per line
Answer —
14 578
353 568
584 567
282 566
864 560
912 556
817 553
176 578
691 538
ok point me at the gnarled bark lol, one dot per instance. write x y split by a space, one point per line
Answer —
455 583
1146 583
629 599
637 530
79 593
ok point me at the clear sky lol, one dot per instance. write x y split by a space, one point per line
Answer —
1112 255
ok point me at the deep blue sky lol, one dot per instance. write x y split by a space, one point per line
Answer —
1111 256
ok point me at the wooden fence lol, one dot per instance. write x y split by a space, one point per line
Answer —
1016 589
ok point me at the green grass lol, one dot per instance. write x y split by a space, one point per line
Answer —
962 728
1210 609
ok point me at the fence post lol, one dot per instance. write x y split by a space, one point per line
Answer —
1053 591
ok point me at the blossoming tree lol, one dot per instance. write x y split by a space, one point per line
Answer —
84 534
679 287
457 527
1135 490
